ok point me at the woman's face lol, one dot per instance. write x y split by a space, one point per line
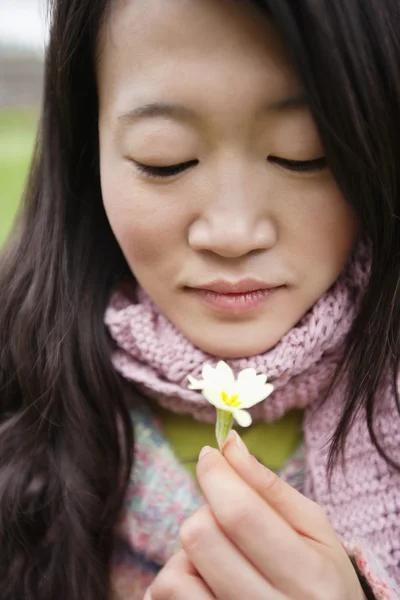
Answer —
206 84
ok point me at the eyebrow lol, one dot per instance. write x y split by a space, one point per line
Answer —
179 112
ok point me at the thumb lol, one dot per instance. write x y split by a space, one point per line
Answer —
301 513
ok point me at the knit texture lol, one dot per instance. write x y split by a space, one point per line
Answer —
364 501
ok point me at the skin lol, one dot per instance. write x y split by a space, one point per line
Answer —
236 212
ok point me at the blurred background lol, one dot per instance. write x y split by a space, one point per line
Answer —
23 35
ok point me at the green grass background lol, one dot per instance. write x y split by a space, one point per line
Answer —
17 134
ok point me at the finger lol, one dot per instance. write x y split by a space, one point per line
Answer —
179 580
304 515
226 571
180 562
262 535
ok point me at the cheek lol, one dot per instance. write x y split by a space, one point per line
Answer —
144 223
335 230
323 227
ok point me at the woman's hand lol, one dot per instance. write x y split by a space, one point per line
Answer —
256 539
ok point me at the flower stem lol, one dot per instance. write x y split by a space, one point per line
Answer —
223 426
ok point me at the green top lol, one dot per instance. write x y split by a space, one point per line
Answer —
271 443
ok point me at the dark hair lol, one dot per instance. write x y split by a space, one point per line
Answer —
66 438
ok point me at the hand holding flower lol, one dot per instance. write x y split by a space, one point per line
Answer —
257 538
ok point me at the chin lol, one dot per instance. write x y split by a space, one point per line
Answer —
231 349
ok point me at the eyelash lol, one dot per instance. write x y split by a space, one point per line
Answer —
298 166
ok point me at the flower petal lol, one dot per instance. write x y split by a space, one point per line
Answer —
247 391
260 395
226 378
214 397
209 373
195 384
242 417
251 391
247 374
261 379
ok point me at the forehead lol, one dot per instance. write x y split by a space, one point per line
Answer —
218 51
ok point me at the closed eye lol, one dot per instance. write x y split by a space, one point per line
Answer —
298 166
163 172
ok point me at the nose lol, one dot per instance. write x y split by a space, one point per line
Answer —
234 221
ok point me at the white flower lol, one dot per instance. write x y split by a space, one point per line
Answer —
226 393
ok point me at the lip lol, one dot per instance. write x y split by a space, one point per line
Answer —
235 297
243 286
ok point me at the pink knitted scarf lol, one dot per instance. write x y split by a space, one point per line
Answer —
364 501
152 352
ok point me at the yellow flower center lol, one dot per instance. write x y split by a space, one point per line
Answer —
230 400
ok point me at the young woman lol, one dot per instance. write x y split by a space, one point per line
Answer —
212 179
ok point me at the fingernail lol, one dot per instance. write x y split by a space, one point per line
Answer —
204 451
237 440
